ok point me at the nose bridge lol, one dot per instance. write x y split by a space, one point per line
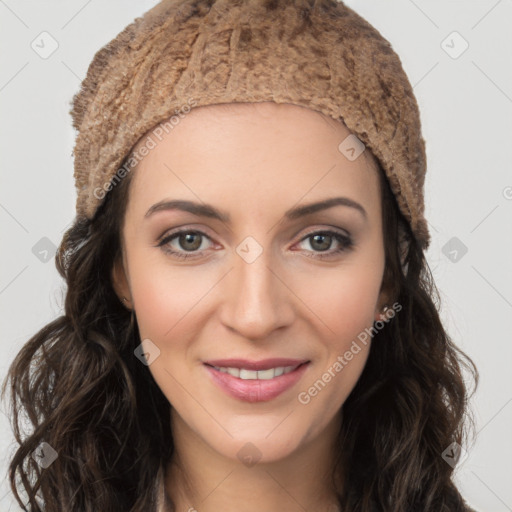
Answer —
256 300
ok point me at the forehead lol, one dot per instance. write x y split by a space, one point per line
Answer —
262 153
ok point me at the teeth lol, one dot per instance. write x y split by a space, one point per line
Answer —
244 374
279 371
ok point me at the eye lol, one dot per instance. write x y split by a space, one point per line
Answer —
187 243
321 241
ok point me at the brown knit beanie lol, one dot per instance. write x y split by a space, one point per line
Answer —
180 54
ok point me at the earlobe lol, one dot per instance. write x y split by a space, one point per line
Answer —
380 313
382 305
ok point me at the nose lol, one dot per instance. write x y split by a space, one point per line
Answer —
256 299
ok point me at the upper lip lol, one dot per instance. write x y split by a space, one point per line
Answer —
263 364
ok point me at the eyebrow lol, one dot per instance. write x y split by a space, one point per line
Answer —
206 210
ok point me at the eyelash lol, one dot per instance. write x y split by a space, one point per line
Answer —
346 243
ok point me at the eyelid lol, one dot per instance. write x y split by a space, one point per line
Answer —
184 228
314 230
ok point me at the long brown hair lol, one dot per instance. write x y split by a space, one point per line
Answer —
88 397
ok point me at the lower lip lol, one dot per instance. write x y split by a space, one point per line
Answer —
255 390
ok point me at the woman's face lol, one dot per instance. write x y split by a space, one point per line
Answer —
264 277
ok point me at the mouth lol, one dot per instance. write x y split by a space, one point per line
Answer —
256 381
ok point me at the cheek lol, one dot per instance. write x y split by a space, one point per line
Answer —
343 301
169 303
166 298
343 306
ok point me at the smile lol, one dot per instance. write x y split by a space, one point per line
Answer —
251 385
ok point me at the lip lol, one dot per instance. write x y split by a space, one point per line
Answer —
263 364
254 390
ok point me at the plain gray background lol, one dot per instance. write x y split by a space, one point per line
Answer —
465 97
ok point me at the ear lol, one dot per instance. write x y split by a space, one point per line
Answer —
120 281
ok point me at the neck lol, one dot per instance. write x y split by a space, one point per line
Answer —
198 478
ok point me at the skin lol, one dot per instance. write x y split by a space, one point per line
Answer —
254 162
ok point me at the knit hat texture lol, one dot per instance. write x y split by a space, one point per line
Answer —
318 54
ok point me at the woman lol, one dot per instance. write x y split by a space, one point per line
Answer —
249 311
